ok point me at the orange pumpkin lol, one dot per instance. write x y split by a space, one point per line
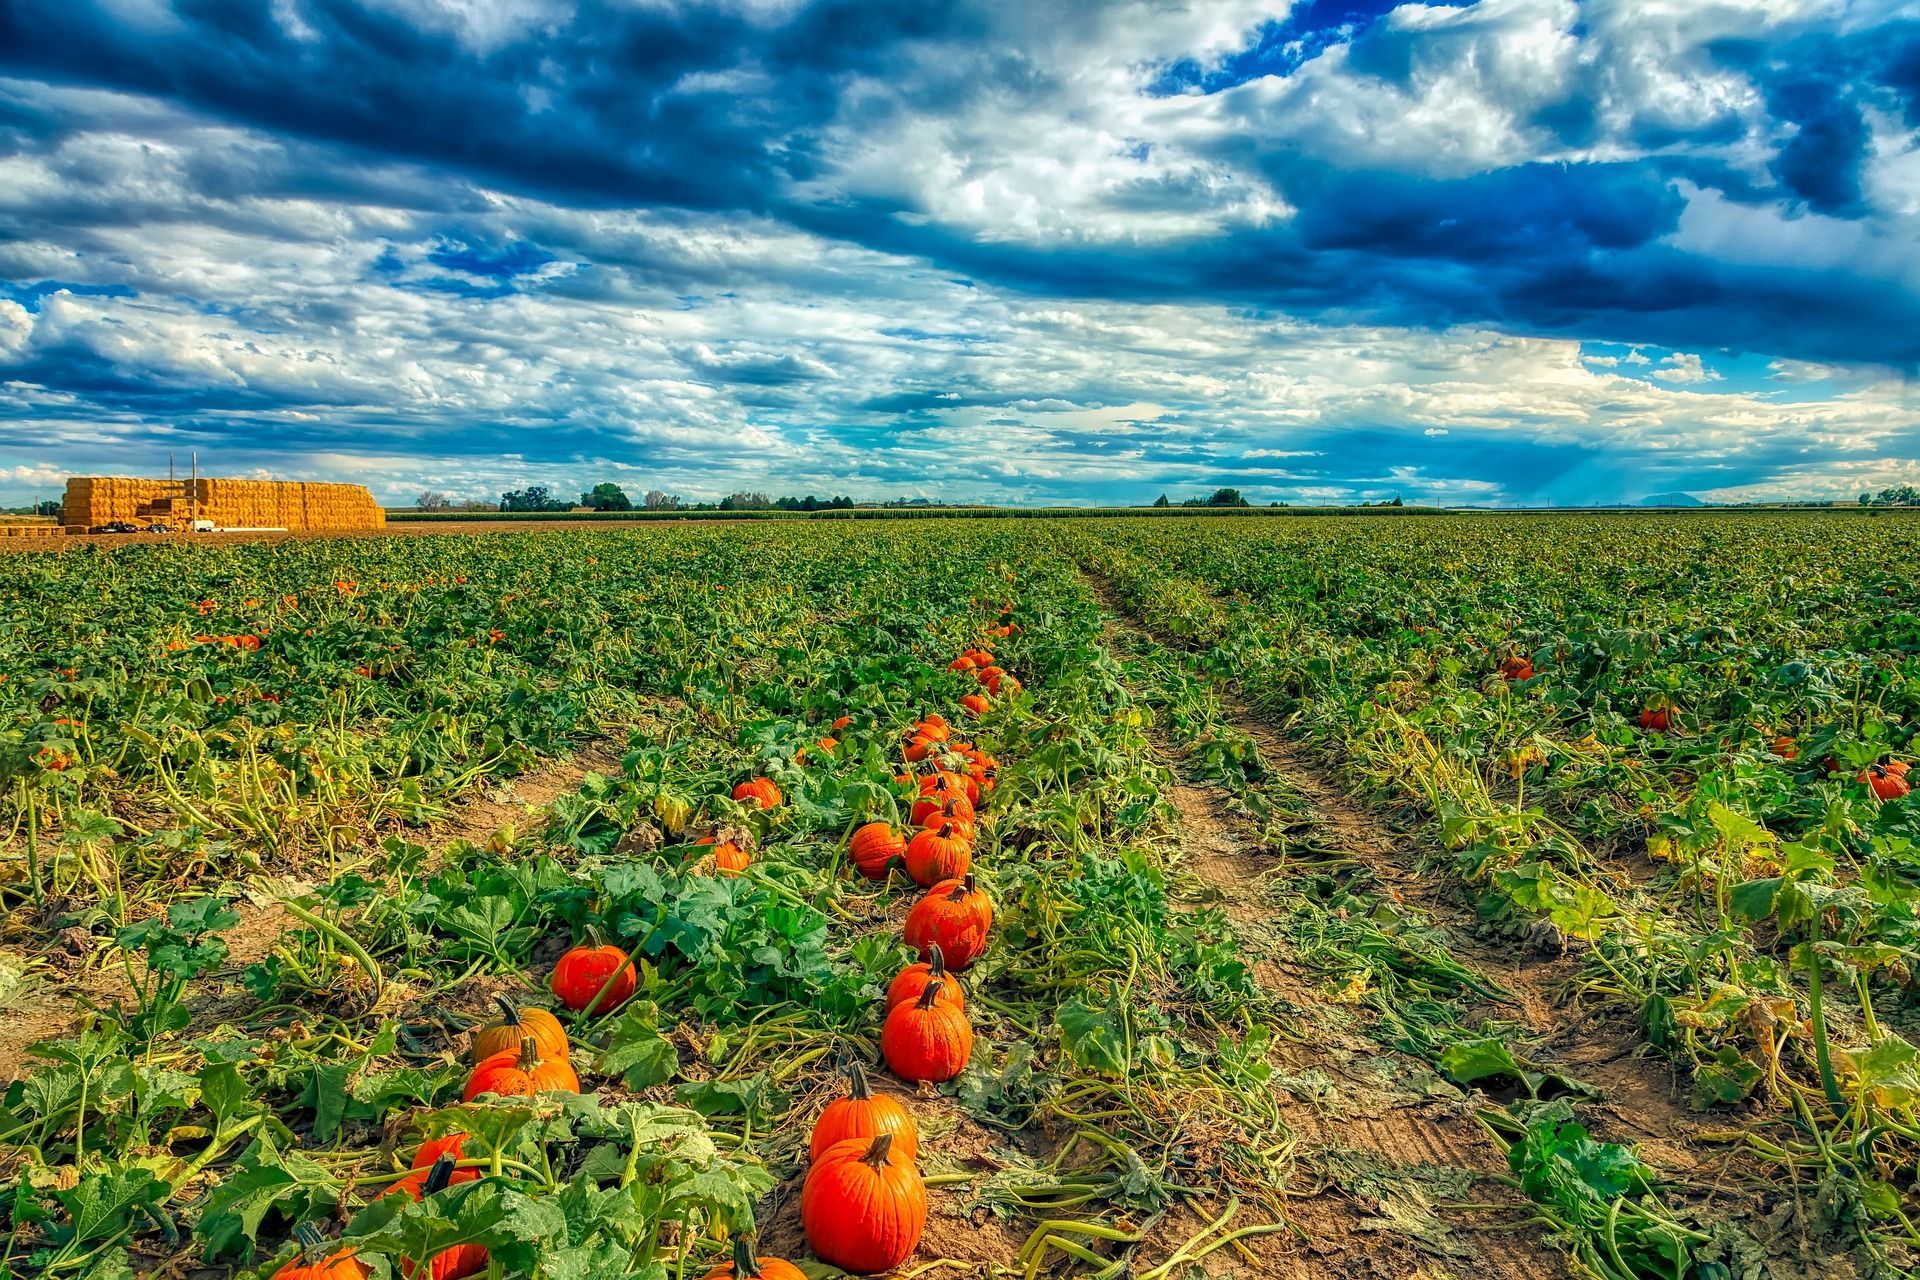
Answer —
978 703
758 793
933 856
954 916
521 1073
864 1115
863 1206
516 1025
747 1265
874 847
938 809
593 979
729 857
1887 781
338 1265
927 1039
915 978
461 1260
427 1159
1656 718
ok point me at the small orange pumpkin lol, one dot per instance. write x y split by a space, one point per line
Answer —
516 1025
978 703
874 847
933 856
594 979
747 1265
1888 780
758 793
864 1115
927 1039
339 1265
915 978
521 1073
954 916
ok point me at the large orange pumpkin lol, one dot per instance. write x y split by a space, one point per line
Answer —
863 1206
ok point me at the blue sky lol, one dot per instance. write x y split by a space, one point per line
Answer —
1488 251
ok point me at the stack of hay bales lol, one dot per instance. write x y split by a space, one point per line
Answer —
98 500
229 504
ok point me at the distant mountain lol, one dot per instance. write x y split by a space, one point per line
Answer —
1671 500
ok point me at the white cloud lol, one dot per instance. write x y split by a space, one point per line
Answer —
1683 367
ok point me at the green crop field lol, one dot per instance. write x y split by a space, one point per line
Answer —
1476 895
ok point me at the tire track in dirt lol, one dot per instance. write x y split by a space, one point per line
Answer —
1383 1160
52 1010
1642 1100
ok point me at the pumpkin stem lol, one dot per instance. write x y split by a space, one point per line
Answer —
928 994
936 962
746 1263
877 1153
509 1016
439 1176
308 1237
857 1087
529 1054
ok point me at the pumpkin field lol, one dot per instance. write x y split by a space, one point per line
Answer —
1412 896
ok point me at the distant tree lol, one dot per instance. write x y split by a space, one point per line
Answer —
605 496
432 500
745 501
1866 499
1396 501
475 504
657 500
535 497
47 507
1227 498
1161 501
1904 495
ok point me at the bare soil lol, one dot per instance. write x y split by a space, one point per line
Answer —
1386 1143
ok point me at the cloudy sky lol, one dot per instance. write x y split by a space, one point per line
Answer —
1512 251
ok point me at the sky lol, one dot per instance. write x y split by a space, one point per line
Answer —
1504 252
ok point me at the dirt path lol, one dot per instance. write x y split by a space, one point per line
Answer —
1642 1100
50 1009
1384 1142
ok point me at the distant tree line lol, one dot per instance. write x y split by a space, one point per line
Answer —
608 496
1899 495
1218 498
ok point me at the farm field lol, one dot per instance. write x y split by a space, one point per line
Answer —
1426 897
